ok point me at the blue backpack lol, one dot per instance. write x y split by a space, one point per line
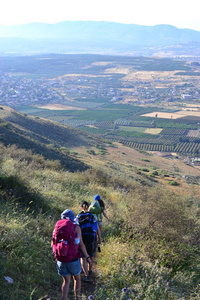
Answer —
86 221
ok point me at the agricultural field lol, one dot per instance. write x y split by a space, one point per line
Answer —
176 115
150 104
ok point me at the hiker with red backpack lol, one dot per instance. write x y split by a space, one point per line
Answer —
66 244
91 235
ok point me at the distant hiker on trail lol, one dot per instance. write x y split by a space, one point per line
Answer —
90 234
66 242
98 208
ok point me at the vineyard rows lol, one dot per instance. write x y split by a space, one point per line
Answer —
187 148
181 148
181 139
152 147
137 123
173 131
76 123
105 125
193 133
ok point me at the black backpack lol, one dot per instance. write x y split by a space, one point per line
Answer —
86 221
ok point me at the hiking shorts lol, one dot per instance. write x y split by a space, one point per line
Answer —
91 248
100 223
72 267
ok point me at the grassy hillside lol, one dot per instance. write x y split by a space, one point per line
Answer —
149 251
42 137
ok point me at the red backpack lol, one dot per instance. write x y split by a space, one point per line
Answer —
63 246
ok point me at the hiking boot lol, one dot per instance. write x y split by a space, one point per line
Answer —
86 279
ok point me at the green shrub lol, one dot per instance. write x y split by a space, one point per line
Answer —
64 149
153 168
155 173
91 152
173 182
143 169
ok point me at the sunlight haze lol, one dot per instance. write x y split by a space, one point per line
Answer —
144 12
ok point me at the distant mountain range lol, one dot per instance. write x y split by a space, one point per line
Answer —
98 37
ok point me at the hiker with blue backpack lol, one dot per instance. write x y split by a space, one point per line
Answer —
91 236
66 244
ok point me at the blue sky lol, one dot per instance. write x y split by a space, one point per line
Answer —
178 13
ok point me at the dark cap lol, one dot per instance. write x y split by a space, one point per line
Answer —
84 203
97 197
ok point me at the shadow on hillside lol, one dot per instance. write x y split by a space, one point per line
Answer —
48 132
9 135
17 192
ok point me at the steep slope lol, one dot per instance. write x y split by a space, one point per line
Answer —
42 137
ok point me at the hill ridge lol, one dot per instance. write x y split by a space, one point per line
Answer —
92 37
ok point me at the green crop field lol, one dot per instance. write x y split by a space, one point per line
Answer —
130 129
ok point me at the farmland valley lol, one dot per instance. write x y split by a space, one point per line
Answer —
149 104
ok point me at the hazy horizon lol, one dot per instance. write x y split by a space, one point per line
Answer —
175 13
52 23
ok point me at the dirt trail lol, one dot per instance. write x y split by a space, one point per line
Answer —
88 288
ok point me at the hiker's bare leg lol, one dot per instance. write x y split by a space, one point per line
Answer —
77 286
65 286
90 265
84 265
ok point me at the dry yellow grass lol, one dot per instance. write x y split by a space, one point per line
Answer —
126 157
149 75
191 105
5 111
189 113
101 63
164 115
157 78
153 130
129 100
179 114
118 70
